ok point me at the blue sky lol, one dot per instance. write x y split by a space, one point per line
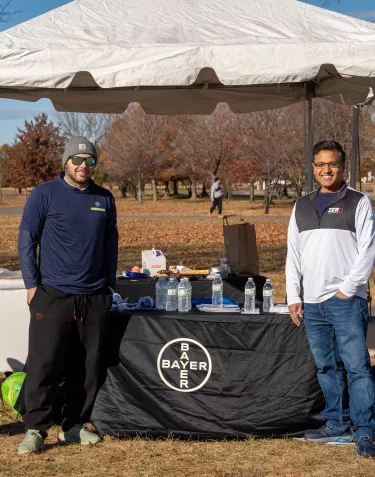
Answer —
14 113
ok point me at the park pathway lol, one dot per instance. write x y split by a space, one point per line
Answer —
17 210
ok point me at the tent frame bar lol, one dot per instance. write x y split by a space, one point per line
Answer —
355 142
310 140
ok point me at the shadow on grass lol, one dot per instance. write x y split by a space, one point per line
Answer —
12 429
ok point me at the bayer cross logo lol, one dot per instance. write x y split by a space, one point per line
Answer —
184 365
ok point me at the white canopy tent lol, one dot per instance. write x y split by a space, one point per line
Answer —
185 56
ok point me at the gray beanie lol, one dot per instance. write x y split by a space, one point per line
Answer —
78 145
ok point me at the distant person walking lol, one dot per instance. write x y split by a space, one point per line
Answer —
216 197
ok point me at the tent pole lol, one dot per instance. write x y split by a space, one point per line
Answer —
310 145
354 156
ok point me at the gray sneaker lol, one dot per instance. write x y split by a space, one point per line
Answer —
33 443
80 435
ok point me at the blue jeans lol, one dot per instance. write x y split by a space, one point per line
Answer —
336 330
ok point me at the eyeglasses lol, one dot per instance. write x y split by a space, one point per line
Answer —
333 165
77 160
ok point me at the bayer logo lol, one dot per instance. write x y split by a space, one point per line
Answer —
184 365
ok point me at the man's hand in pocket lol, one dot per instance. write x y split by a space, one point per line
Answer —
30 294
341 295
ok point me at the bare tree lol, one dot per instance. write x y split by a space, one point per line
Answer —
213 139
133 147
293 144
187 152
91 125
5 14
268 136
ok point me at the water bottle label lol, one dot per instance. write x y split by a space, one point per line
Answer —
216 287
172 292
267 292
182 293
250 292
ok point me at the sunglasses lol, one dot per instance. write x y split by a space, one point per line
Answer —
77 160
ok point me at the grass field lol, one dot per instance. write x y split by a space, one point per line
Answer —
140 457
197 243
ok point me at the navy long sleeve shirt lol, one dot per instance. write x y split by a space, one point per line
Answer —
76 231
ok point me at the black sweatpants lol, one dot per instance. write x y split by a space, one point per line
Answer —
66 332
217 202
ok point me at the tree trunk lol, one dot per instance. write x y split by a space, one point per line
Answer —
285 192
267 201
193 189
279 191
252 192
154 190
166 189
122 188
139 188
134 190
204 190
299 190
175 187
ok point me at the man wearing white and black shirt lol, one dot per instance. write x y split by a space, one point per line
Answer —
331 251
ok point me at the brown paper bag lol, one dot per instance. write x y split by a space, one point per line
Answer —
241 247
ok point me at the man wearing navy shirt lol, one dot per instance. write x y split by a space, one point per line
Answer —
331 251
71 221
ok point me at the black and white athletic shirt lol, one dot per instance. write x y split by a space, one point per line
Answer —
333 252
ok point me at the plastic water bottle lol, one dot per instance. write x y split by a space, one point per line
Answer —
183 296
250 290
267 296
172 298
224 265
217 291
161 293
188 284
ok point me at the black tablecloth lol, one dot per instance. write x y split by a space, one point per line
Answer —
233 287
204 375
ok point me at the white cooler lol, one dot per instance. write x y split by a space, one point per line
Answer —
14 324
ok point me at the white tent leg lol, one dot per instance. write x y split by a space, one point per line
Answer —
355 136
310 140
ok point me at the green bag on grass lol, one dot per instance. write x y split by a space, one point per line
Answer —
11 387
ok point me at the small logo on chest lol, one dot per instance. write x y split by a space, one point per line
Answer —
335 210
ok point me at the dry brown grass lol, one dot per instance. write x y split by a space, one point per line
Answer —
140 457
11 198
185 207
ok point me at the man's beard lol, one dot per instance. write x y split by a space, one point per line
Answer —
77 178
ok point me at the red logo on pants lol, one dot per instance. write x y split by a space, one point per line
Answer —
39 316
